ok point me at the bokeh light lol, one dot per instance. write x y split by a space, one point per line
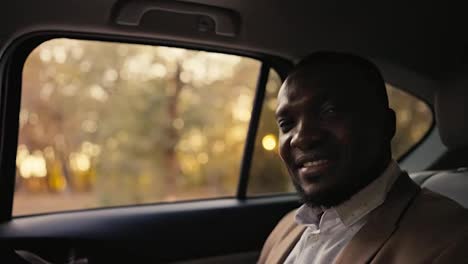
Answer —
269 142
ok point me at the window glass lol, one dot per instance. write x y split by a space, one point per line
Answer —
107 124
268 175
414 119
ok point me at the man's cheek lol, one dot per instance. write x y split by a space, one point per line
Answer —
343 137
284 149
347 147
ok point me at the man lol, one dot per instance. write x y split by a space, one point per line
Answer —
335 129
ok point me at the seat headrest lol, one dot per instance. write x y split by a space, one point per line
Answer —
451 104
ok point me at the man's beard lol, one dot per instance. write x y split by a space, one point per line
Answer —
332 196
327 198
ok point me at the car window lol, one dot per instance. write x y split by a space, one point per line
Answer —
109 124
268 175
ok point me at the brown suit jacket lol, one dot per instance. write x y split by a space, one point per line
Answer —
411 226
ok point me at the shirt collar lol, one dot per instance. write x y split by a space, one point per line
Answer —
359 205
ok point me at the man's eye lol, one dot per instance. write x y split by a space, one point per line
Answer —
329 111
285 125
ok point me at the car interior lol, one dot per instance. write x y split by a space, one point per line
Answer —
418 46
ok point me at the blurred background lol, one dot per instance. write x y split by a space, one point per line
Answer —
109 124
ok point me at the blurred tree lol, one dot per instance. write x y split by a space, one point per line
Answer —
163 121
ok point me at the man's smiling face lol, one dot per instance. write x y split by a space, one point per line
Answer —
334 136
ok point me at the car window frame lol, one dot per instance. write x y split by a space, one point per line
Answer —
11 66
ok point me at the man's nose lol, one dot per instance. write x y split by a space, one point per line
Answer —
307 135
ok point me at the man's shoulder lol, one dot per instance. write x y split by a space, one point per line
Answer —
434 208
433 215
432 228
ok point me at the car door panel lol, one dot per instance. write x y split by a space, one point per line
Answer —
162 233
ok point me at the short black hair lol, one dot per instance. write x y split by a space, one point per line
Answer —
369 70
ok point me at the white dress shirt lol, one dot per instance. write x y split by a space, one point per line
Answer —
327 235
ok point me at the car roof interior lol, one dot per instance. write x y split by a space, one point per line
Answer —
423 39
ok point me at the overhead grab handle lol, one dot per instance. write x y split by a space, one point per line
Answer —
131 13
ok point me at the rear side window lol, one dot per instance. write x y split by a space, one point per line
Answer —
268 175
107 124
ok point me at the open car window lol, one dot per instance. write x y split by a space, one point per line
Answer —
109 124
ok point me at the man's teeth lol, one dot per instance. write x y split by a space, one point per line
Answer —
314 163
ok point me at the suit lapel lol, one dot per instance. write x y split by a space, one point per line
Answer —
285 246
381 224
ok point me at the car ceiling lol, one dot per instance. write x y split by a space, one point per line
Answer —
415 42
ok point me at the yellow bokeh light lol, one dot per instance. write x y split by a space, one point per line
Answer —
269 142
21 154
80 161
33 165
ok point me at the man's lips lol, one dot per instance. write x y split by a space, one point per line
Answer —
312 159
311 166
314 168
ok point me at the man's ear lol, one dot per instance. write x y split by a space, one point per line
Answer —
390 124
